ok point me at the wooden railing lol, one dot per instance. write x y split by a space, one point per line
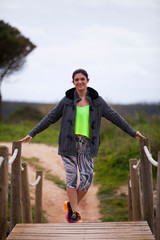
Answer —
20 195
140 189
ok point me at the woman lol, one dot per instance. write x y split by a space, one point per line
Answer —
81 110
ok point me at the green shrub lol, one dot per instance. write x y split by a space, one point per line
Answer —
25 113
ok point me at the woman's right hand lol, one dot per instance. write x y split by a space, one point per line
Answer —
25 139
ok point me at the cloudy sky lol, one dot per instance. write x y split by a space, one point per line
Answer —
116 41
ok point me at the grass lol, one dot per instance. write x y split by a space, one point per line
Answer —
114 206
13 132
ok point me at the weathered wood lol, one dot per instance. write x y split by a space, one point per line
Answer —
25 196
106 230
147 185
130 211
158 201
3 192
135 191
15 186
38 199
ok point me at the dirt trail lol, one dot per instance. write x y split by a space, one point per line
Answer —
53 196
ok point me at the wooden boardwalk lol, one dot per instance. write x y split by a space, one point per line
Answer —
103 230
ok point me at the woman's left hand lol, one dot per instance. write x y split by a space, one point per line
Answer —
139 135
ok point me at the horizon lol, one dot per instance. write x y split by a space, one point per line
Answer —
53 103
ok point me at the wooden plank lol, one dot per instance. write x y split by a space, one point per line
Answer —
3 192
101 224
135 191
147 184
25 196
158 200
15 186
107 230
118 237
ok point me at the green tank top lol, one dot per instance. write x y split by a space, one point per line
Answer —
82 121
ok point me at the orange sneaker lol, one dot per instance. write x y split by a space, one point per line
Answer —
68 210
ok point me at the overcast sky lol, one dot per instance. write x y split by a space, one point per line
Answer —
116 41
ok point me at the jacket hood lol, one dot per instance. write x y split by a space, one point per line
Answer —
90 91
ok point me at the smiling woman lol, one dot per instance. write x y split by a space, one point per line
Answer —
81 111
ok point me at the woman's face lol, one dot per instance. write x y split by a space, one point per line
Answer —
80 82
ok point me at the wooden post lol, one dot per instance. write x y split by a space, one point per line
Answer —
130 211
38 199
3 192
135 191
15 186
25 196
158 201
147 185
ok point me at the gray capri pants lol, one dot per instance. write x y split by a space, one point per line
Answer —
84 163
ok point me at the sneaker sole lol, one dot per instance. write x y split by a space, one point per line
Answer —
79 221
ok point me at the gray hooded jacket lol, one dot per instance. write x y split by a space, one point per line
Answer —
66 109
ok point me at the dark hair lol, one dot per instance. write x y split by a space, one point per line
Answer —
80 71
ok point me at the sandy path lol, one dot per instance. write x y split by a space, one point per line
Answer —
53 196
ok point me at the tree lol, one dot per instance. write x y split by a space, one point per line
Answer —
14 48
